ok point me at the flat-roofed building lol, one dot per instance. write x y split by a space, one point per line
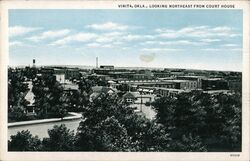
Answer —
214 84
162 74
198 79
235 85
184 84
72 73
60 78
111 67
164 92
156 84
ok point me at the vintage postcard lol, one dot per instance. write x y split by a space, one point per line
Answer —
124 80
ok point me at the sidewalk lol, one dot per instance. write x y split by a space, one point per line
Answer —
21 123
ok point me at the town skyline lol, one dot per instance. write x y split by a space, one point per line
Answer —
117 67
190 39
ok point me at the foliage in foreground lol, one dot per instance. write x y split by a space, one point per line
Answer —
214 120
188 122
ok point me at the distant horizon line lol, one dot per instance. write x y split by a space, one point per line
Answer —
91 66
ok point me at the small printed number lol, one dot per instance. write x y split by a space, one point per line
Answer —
234 155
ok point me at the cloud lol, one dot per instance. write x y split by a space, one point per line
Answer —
95 45
230 45
15 43
118 43
236 49
21 30
222 29
149 42
104 39
181 42
222 49
93 37
107 46
197 32
108 26
211 49
115 38
49 35
80 37
159 49
109 37
210 40
178 42
132 37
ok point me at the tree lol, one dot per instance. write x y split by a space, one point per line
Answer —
108 135
24 141
50 99
123 87
17 90
60 139
75 101
214 119
230 112
108 122
188 143
17 113
146 135
30 73
93 132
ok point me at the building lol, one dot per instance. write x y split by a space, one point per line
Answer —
156 84
70 87
164 92
214 84
161 74
60 78
69 73
72 73
47 71
198 79
98 90
234 82
183 84
235 85
30 97
110 67
141 103
137 98
141 77
129 97
216 92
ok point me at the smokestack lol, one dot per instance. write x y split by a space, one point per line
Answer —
96 62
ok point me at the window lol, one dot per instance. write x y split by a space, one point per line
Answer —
129 100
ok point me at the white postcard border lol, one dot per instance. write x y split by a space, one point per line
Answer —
152 156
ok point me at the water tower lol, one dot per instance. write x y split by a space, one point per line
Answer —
34 63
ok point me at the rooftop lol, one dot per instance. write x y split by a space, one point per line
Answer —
163 88
70 86
177 81
99 89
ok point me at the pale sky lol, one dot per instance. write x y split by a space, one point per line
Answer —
197 39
